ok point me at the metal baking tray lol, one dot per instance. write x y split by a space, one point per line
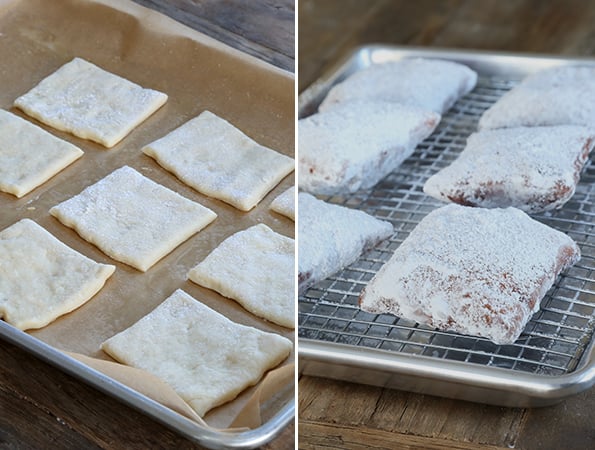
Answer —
554 357
198 73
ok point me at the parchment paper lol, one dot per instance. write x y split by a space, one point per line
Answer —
197 73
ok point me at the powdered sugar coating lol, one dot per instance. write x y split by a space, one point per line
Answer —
474 271
355 145
557 96
431 84
534 169
332 237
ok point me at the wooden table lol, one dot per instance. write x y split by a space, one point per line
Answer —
335 414
43 408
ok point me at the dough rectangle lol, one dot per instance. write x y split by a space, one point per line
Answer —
256 268
90 103
131 218
41 278
212 156
284 203
205 357
30 155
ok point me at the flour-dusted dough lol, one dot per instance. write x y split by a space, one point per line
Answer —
30 155
430 84
90 103
474 271
41 278
534 169
354 145
256 268
205 357
215 158
131 218
330 237
557 96
285 203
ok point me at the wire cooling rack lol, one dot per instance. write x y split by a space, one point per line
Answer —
554 340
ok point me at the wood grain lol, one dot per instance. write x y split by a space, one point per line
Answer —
335 414
263 28
328 28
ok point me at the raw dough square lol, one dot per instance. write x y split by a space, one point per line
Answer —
205 357
30 155
285 203
534 169
430 84
41 278
557 96
215 158
90 103
474 271
131 218
354 145
330 237
255 267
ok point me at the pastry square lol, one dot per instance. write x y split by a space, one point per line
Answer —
30 155
212 156
90 103
205 357
354 145
430 84
41 278
331 237
131 218
534 169
475 271
285 203
557 96
256 268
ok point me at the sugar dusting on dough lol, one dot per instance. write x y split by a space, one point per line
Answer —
332 237
534 169
431 84
557 96
355 145
470 270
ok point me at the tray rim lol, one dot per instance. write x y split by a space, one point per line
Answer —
492 385
210 438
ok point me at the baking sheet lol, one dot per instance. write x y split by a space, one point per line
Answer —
197 73
555 355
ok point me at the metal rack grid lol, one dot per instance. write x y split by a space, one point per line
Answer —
558 334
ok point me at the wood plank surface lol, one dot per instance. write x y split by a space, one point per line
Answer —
337 415
329 28
263 28
41 407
